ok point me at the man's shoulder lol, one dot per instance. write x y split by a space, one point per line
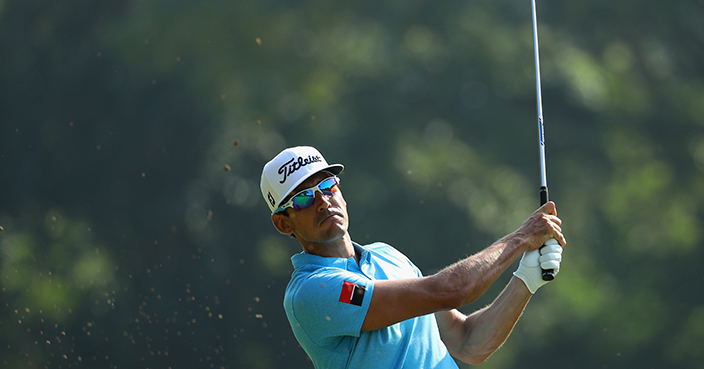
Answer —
316 275
383 253
320 287
381 248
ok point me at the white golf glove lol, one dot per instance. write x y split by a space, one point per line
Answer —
532 263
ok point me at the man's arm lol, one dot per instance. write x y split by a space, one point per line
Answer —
463 282
474 338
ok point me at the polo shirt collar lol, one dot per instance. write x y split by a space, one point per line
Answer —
302 259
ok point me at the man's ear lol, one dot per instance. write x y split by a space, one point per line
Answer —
282 224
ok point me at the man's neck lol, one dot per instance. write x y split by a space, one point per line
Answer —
339 248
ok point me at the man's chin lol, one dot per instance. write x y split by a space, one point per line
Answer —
334 233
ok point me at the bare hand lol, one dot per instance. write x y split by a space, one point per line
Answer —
541 226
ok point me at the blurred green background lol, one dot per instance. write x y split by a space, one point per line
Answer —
127 242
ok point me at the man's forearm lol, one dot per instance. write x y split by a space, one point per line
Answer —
457 285
487 329
471 277
465 281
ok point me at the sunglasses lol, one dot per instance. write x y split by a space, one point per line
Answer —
306 198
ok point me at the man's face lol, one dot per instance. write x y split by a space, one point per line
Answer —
324 221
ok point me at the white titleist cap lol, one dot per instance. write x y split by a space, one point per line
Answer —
289 169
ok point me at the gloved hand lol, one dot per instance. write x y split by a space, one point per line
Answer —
531 265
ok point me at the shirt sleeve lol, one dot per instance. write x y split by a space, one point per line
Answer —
332 303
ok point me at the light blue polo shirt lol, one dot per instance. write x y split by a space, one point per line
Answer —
327 300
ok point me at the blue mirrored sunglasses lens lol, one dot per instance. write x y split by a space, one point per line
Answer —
328 186
303 199
306 198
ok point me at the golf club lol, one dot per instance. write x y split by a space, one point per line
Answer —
548 274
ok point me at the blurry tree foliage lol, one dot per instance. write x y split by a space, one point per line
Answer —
133 133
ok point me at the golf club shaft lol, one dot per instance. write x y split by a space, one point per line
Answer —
548 274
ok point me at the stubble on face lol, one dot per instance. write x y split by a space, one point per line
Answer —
323 222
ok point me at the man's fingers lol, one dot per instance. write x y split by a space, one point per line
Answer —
551 249
548 208
555 223
543 225
550 226
558 235
550 256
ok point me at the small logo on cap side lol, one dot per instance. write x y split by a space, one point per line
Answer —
271 199
286 170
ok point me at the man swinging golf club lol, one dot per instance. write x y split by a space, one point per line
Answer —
354 306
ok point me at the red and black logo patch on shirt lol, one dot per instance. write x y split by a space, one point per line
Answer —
352 293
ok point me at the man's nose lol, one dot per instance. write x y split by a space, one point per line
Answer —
322 201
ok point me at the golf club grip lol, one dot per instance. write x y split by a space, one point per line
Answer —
548 274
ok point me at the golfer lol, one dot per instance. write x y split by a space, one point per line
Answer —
354 306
